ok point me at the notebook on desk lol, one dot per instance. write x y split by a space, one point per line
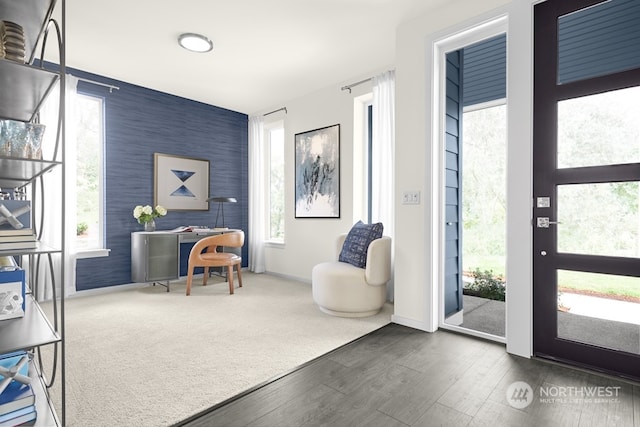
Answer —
192 228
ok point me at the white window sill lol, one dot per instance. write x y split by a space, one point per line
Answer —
93 253
274 244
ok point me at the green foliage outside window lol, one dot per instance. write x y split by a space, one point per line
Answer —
486 285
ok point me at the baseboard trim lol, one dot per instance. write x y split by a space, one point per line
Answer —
288 277
107 289
117 288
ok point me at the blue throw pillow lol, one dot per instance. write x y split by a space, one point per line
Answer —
356 245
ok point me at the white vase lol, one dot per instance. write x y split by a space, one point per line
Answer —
150 225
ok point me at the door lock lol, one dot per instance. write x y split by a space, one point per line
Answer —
543 222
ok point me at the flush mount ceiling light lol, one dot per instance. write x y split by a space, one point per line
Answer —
195 42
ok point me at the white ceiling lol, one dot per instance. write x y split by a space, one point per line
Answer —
266 52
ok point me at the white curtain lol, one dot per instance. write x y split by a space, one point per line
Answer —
383 155
50 198
257 207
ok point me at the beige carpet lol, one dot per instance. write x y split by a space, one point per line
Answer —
145 357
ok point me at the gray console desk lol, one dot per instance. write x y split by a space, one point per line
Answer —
155 255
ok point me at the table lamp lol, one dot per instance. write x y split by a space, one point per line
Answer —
221 201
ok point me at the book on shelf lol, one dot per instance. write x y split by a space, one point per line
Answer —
16 396
18 238
18 417
16 232
5 246
15 214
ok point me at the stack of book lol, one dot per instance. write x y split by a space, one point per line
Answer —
23 238
17 400
15 225
17 405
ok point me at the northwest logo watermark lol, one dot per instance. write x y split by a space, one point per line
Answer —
520 394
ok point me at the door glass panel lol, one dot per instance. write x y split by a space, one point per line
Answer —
599 309
600 129
599 219
598 40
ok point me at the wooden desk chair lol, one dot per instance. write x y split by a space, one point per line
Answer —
205 254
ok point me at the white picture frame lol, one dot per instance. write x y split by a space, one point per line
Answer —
181 183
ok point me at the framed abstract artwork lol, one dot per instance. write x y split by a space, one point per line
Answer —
181 183
317 173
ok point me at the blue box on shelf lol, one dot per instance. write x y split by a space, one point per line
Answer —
12 294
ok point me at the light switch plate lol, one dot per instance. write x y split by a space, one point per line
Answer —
411 198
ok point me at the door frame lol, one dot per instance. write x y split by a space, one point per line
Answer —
417 303
482 31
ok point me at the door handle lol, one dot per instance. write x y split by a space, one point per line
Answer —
544 222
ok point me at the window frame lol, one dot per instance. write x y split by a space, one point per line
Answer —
268 129
100 250
362 170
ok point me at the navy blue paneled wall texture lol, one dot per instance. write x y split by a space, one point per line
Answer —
140 122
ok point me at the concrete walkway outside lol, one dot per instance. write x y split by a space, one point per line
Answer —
599 321
485 315
602 308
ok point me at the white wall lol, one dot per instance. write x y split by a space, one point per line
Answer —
310 241
417 228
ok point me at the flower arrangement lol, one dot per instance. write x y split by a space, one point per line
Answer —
145 214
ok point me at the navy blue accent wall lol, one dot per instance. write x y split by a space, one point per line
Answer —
485 71
139 123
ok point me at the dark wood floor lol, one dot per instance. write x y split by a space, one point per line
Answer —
398 376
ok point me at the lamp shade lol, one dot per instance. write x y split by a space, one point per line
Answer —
222 199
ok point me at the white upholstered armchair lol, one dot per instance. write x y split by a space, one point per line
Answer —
342 289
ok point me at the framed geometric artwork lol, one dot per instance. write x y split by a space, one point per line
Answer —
181 183
317 173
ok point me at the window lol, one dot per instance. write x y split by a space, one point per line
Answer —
362 170
275 169
89 182
369 165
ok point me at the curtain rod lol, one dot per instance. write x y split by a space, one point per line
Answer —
275 111
348 87
111 87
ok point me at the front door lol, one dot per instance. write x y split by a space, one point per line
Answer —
586 211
